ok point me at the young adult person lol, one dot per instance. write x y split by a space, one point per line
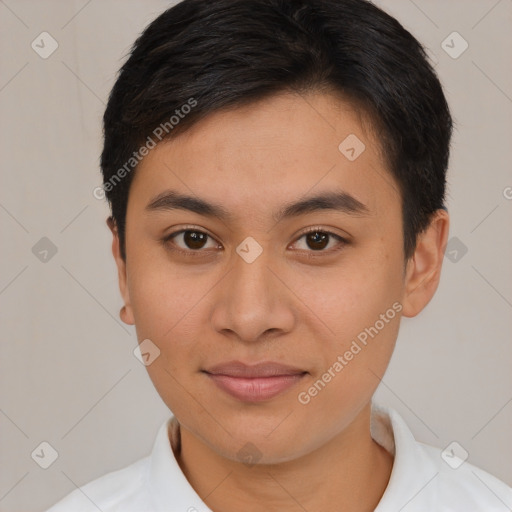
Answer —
276 173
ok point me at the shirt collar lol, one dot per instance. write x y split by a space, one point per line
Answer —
167 483
412 468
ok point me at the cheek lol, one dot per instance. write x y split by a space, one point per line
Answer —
165 304
168 307
351 297
162 295
353 360
359 306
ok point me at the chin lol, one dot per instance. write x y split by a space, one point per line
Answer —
260 443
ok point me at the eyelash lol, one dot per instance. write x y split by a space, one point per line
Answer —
311 254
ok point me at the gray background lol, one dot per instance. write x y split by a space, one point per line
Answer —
68 375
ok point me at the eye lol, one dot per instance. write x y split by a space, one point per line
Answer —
317 239
191 240
194 242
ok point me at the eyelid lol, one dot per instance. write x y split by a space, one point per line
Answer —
323 229
188 228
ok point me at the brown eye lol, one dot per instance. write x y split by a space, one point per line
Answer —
317 240
188 240
194 239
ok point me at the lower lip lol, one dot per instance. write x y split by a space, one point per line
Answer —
255 389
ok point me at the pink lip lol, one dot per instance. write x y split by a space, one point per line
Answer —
254 383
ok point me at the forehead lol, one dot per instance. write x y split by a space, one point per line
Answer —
257 157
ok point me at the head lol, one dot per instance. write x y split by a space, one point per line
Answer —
311 140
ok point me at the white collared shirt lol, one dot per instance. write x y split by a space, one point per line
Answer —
421 479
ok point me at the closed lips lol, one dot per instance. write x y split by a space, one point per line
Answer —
266 369
255 383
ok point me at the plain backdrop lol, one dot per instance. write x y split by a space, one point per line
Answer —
68 375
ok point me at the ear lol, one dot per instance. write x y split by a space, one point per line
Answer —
126 313
423 269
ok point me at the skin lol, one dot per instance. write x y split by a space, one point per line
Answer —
283 307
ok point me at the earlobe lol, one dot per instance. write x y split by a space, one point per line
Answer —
424 268
126 313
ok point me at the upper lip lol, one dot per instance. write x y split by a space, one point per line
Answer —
264 369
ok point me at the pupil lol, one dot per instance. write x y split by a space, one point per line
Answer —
194 239
318 239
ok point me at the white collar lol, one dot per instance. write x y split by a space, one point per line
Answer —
412 469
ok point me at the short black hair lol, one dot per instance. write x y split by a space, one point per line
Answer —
201 56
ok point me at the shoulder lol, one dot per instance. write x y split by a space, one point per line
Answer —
462 486
123 489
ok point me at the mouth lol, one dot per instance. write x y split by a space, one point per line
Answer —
254 383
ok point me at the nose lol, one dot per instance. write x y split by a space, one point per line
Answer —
252 302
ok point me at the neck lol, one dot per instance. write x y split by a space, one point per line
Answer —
349 472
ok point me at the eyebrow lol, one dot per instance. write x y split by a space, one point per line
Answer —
339 201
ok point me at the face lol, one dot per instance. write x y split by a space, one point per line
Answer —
318 287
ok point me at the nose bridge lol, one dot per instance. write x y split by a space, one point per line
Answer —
252 301
250 279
